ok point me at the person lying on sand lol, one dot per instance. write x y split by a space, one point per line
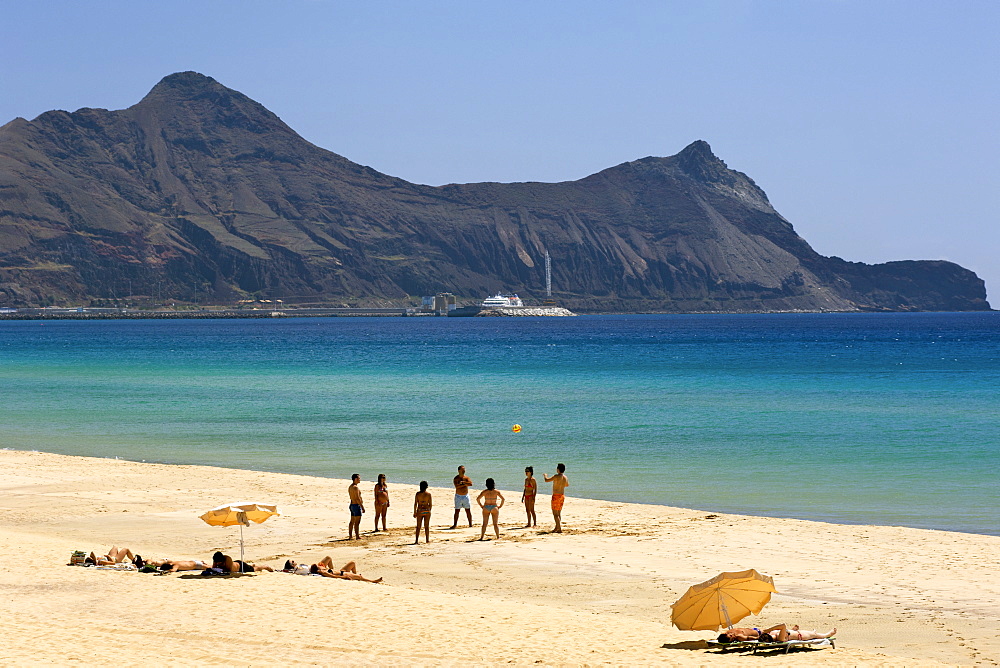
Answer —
348 572
777 633
115 555
230 565
175 565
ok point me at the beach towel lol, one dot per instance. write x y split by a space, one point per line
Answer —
115 567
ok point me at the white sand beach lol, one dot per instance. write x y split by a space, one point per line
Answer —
598 594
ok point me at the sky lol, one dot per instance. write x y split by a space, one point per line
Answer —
873 126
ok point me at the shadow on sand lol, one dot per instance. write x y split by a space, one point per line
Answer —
687 644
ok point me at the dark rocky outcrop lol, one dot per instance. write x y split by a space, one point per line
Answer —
198 193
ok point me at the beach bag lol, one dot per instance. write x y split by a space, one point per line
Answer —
302 569
213 571
77 558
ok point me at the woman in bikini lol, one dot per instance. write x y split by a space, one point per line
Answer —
491 501
422 511
348 572
381 500
528 497
777 633
114 556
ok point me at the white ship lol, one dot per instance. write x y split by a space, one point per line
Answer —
502 301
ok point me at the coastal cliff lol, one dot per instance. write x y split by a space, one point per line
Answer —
199 194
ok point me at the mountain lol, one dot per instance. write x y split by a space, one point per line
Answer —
200 194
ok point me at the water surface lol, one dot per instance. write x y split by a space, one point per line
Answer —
868 418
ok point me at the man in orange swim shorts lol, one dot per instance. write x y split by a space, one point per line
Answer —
559 485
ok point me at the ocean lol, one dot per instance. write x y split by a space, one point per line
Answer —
857 418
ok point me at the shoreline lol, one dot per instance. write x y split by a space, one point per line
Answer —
597 594
739 512
35 314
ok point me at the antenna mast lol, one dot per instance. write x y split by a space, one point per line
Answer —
548 275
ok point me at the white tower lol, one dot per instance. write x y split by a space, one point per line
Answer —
548 275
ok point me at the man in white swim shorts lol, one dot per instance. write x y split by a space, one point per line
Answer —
462 484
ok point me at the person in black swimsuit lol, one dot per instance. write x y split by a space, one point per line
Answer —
230 565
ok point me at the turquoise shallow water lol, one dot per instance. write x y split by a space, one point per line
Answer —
868 418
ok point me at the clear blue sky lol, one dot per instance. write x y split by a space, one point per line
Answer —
874 127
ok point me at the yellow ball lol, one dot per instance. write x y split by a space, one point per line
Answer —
516 428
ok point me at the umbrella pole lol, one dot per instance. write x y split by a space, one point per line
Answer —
241 550
725 612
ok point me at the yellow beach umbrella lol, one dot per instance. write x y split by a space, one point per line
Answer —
722 601
242 513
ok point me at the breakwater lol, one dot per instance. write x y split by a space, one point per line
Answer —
516 311
199 314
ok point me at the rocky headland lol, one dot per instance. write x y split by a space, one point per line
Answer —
198 194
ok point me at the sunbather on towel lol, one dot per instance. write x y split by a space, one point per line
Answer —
348 572
115 555
230 565
785 634
253 568
777 633
175 565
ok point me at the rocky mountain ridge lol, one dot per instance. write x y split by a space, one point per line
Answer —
199 194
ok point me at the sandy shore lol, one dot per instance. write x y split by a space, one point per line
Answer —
598 594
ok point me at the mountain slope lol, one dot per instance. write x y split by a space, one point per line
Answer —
198 193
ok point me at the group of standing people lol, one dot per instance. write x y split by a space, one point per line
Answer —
490 501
